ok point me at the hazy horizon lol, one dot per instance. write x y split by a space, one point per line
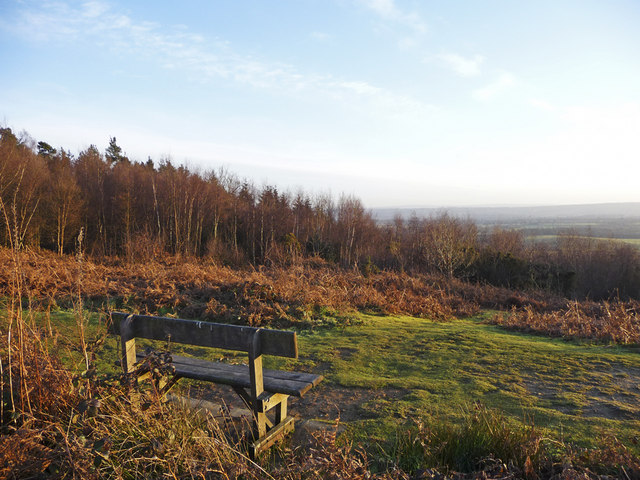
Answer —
509 205
450 105
512 206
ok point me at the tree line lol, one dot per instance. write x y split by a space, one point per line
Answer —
141 210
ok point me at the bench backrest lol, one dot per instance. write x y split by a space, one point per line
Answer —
205 334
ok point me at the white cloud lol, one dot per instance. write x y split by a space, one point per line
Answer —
389 11
360 88
466 67
94 9
406 43
384 8
176 47
505 81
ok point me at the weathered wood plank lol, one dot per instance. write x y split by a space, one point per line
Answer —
302 377
275 381
257 384
205 334
237 375
270 400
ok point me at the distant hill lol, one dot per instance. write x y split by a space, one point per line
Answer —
510 214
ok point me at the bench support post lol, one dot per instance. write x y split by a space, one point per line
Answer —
257 385
128 360
261 402
281 411
128 342
272 436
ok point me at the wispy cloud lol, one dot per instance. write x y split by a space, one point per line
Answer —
392 103
320 36
505 81
389 11
466 67
94 9
176 47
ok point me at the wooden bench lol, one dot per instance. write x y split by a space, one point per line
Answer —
261 389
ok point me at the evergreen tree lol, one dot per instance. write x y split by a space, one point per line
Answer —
46 150
113 153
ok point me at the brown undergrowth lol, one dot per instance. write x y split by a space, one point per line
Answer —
304 294
617 322
307 294
310 293
61 424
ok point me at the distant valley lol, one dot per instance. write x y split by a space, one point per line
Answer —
544 223
509 214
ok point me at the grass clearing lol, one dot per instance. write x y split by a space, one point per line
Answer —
576 390
388 373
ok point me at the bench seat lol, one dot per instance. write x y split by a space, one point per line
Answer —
275 381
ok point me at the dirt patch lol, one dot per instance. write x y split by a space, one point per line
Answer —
325 403
628 378
617 406
346 353
325 407
606 410
330 402
621 405
547 391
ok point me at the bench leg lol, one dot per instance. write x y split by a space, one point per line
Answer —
246 399
244 396
259 424
165 384
274 435
281 411
283 424
266 433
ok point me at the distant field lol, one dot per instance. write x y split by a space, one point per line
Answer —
553 238
548 231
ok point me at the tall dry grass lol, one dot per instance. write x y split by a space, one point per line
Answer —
76 432
307 294
295 295
617 322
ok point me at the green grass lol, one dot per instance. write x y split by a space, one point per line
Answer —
434 372
439 369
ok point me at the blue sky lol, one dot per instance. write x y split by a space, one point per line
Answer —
399 102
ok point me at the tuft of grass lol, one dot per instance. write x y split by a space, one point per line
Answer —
156 439
484 434
329 458
487 444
